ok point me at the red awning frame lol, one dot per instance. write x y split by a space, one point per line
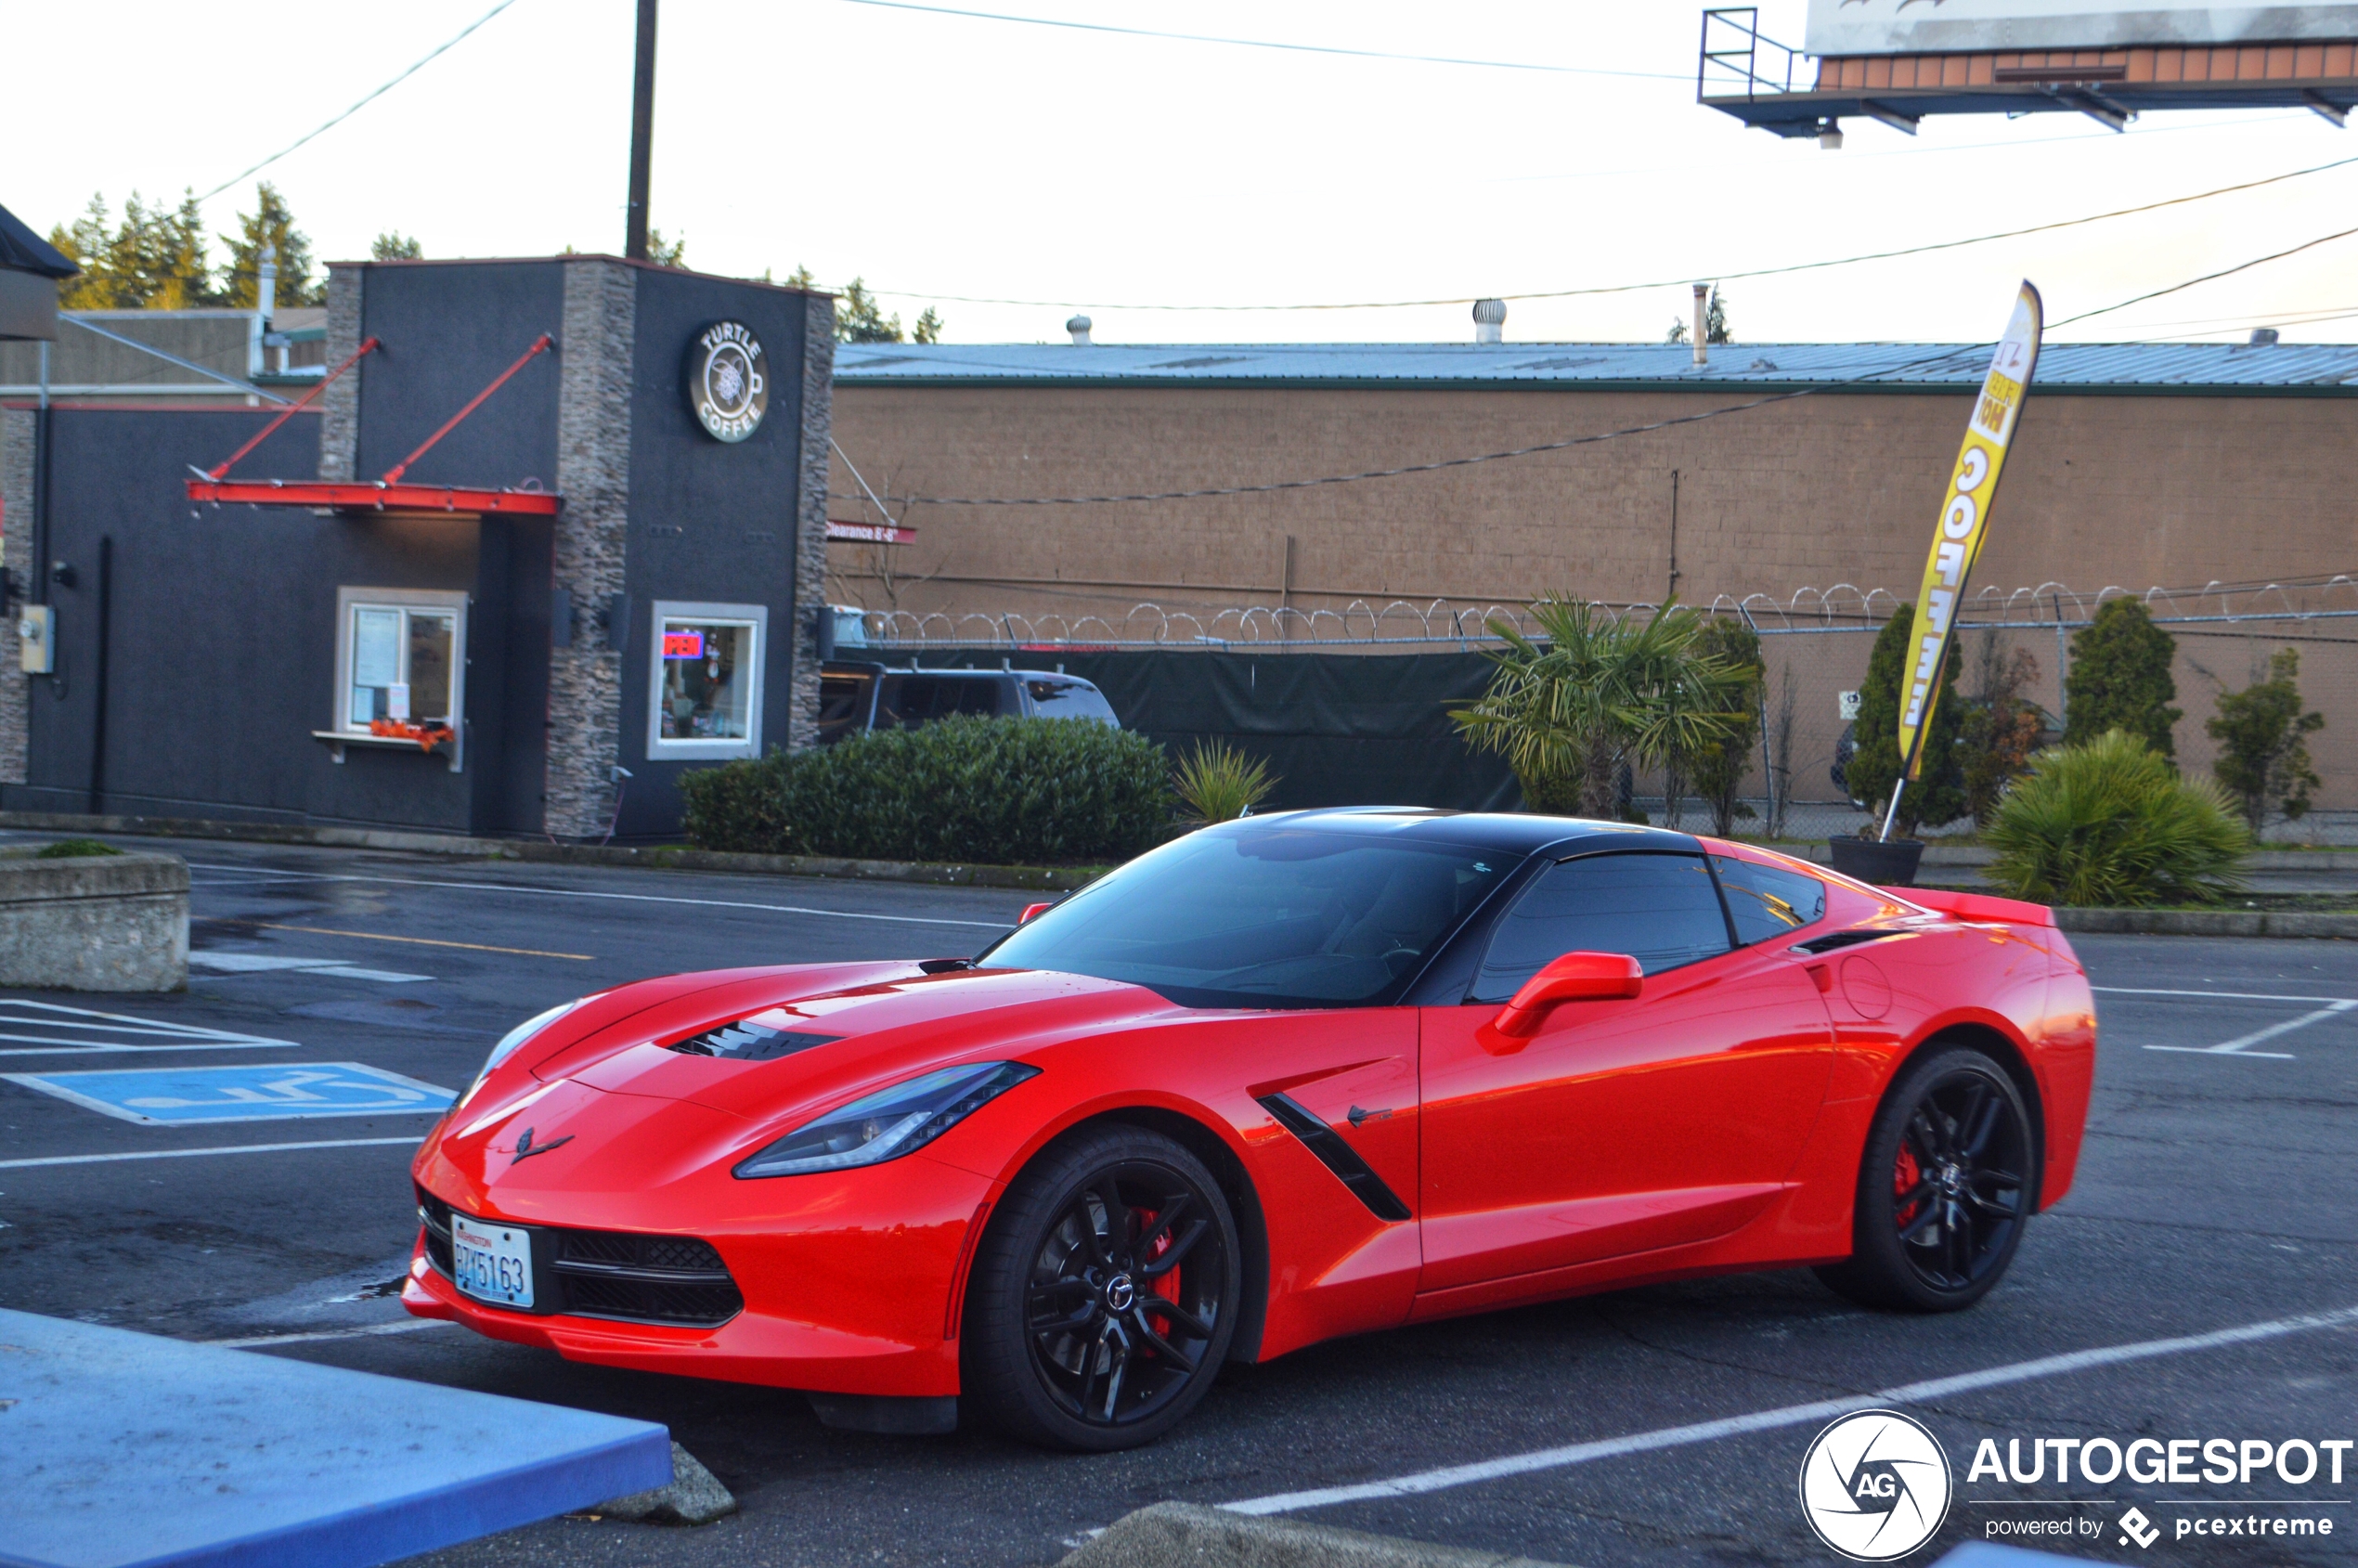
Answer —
387 494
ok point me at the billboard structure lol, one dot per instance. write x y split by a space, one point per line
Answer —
1896 61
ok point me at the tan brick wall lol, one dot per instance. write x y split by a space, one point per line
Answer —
2133 490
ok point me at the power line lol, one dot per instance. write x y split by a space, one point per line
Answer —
2208 277
1568 442
1264 43
1659 283
1441 464
364 103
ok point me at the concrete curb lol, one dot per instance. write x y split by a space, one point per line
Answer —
2209 922
1191 1535
101 922
694 1496
662 857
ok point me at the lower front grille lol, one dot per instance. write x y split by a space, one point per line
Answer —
624 1275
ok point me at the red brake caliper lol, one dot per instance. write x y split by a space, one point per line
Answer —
1905 1174
1167 1284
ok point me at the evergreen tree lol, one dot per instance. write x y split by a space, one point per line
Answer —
1938 795
156 259
2119 678
858 319
1716 768
2263 760
667 252
271 222
1715 322
394 245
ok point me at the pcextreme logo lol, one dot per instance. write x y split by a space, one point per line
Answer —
1876 1485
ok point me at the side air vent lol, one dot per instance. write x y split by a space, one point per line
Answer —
1337 1156
748 1041
1843 938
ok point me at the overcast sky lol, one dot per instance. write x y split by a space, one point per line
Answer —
938 154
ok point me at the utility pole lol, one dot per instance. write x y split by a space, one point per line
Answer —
642 132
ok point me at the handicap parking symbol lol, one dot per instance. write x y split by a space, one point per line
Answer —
279 1092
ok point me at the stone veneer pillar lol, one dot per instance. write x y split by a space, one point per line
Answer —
18 428
339 403
594 368
810 514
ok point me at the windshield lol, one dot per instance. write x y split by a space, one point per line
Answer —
1263 917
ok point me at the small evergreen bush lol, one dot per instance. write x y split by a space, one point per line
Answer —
2119 678
74 848
1938 796
989 791
2263 760
1716 768
2112 825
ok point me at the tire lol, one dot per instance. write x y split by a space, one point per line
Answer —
1078 1334
1948 1179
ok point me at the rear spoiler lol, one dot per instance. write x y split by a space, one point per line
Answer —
1979 906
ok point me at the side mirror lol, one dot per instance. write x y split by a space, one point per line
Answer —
1577 976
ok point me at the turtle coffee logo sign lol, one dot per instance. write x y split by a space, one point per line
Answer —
1876 1485
728 385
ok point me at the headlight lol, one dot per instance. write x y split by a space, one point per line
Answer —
887 1123
514 1040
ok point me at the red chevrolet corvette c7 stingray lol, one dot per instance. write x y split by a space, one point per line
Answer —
1281 1080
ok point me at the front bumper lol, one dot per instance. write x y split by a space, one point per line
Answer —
847 1280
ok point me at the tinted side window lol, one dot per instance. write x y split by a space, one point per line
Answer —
843 705
1659 909
1052 698
1767 903
914 699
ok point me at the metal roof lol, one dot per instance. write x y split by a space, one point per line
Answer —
1658 367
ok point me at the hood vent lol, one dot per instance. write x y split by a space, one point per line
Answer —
749 1042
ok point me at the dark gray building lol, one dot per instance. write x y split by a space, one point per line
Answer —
607 573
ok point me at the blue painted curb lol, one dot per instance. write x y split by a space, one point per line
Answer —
123 1450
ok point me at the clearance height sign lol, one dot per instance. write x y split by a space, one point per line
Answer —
1964 517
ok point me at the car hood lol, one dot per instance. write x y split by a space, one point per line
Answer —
882 1024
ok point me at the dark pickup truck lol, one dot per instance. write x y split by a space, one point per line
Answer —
855 697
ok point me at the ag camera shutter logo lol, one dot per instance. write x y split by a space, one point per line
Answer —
1876 1485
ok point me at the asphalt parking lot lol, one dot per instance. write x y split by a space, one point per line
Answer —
2215 1195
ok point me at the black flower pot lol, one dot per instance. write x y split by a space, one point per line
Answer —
1880 865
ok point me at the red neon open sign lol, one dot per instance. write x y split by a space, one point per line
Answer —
683 644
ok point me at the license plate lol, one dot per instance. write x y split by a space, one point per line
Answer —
491 1263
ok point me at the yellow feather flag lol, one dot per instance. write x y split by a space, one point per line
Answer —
1965 519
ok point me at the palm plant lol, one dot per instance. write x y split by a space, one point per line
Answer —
1219 784
1602 690
2112 825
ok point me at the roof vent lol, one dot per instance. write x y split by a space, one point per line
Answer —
2263 337
1490 317
1079 327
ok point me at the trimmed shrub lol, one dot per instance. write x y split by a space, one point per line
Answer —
1716 768
2119 678
2112 825
990 791
2263 759
1939 794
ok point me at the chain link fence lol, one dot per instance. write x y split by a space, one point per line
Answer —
1815 643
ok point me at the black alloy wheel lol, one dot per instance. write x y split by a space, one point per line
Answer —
1948 1181
1104 1295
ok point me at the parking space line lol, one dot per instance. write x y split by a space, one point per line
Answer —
271 963
2220 995
263 1341
2236 1047
194 1153
54 1023
380 937
622 898
1791 1415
